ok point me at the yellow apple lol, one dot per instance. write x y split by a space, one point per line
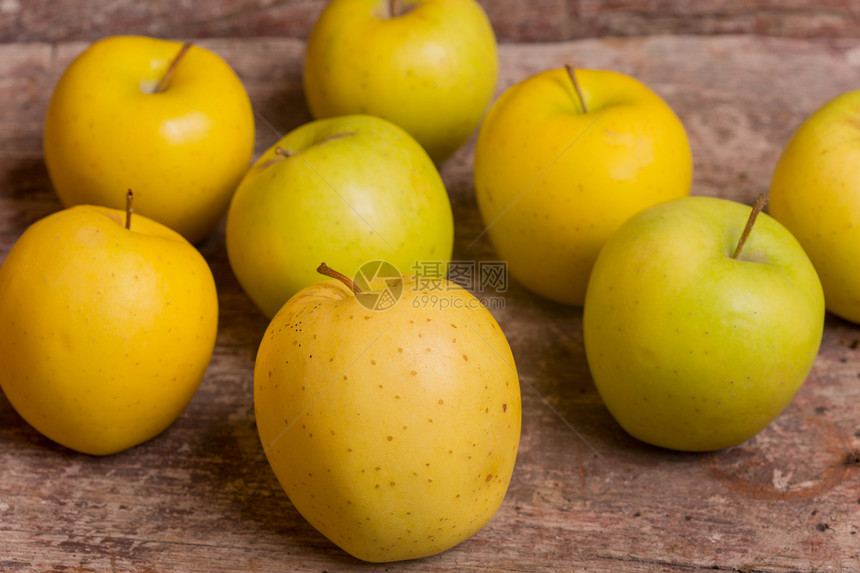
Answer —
350 190
815 192
560 165
693 343
182 146
105 332
394 432
430 66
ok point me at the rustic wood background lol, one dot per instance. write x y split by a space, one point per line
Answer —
513 20
585 496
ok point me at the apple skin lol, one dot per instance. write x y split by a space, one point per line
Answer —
553 183
393 432
689 348
358 189
105 333
433 70
181 151
815 193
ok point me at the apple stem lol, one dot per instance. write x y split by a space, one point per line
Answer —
760 202
162 85
571 71
129 200
291 152
324 269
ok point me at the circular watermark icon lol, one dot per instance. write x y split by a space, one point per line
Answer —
381 285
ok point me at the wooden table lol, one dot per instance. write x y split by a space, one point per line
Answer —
584 496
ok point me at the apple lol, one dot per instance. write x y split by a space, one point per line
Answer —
562 159
699 330
349 190
394 432
430 66
170 120
106 327
815 193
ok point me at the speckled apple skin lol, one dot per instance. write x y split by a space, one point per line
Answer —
393 432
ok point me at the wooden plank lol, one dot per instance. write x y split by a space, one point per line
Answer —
513 20
585 496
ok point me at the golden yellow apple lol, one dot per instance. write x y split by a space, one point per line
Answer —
560 165
105 332
394 432
815 192
182 144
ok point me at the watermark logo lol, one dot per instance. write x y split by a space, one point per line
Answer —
372 273
380 284
476 277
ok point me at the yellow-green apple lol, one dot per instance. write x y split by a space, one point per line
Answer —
815 192
170 120
105 331
562 159
394 432
348 190
430 66
696 337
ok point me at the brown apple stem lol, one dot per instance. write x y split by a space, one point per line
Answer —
324 269
129 200
162 85
393 7
282 152
571 71
760 202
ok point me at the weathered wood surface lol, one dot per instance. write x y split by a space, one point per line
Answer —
201 497
513 20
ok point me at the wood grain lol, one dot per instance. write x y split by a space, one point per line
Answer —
585 496
513 20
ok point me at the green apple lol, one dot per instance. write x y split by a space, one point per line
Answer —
562 159
170 121
693 346
815 193
393 432
430 66
348 190
105 331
